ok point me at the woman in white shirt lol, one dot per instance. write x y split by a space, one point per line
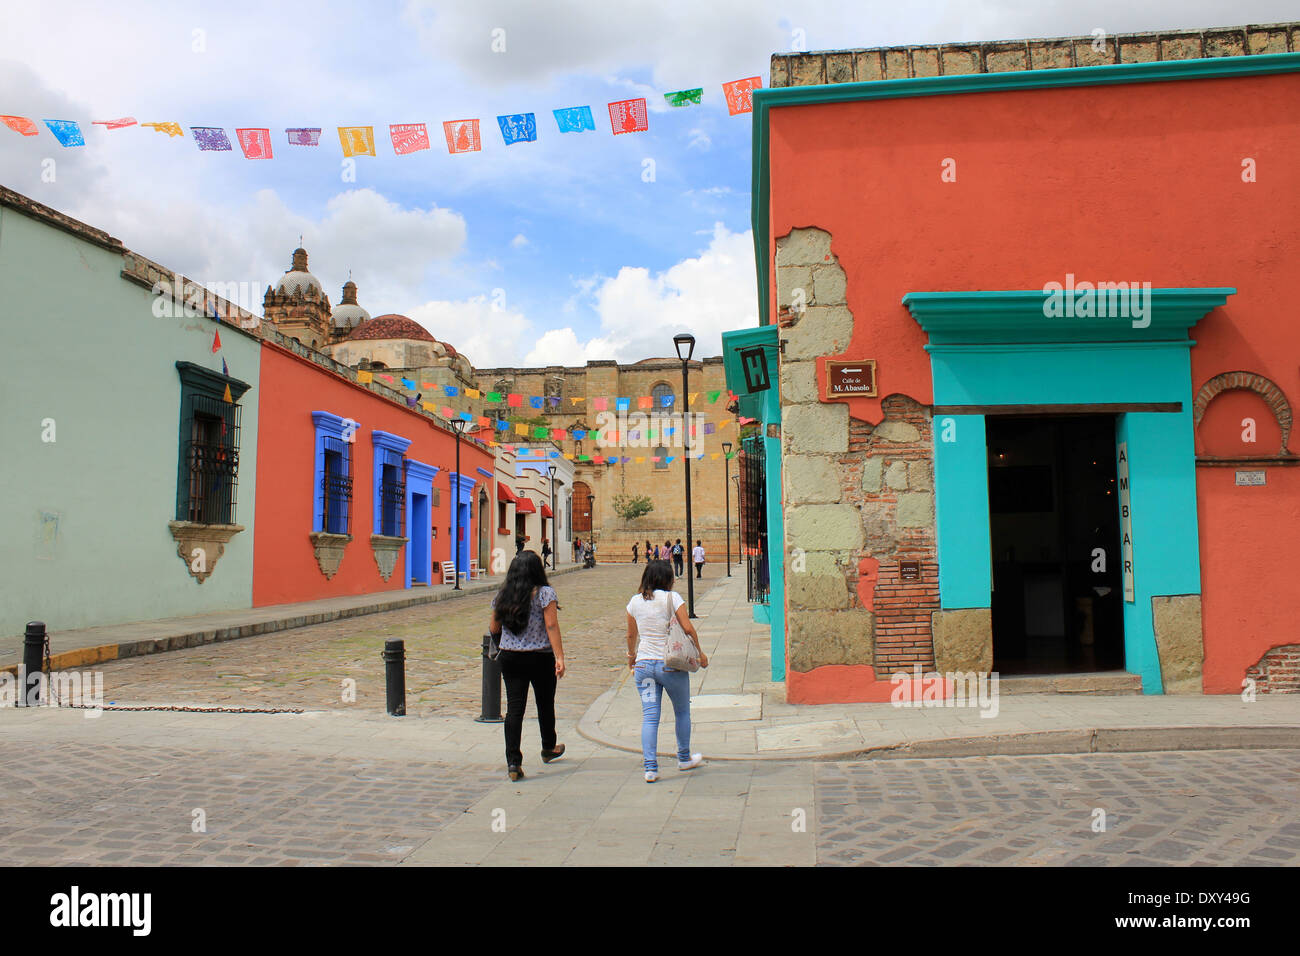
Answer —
648 614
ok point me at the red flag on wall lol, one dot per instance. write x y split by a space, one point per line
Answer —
216 341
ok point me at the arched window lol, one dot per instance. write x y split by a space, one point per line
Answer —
661 452
581 509
659 393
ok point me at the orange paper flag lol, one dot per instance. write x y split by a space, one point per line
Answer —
357 140
20 124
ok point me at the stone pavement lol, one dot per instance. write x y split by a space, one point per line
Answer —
738 713
82 647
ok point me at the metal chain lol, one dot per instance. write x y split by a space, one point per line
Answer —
179 708
49 683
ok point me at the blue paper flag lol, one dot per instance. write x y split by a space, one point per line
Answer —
535 401
554 454
67 132
671 430
518 127
502 424
579 434
211 137
407 383
669 459
622 404
575 119
466 416
451 390
667 401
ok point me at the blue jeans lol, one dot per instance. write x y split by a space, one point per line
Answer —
652 679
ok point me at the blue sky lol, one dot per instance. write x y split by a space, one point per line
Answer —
555 251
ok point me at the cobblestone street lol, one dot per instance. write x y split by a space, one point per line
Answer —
305 667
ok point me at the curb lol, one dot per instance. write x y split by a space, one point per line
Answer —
99 653
1029 743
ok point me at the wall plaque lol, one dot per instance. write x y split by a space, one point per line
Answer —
1250 477
909 570
851 378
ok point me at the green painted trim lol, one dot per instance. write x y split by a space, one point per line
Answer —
732 343
1263 64
1023 317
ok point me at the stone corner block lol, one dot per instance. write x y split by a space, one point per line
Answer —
818 638
824 528
1180 642
816 428
963 640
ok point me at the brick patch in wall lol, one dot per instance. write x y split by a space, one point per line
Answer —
1278 671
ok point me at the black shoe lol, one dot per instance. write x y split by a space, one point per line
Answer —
556 754
516 772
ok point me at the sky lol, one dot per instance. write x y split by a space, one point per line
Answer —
571 248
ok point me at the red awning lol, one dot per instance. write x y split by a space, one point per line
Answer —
505 494
546 510
524 506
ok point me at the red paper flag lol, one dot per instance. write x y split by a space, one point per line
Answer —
739 94
462 136
20 124
216 341
600 404
644 401
628 116
448 412
115 124
408 137
514 400
256 143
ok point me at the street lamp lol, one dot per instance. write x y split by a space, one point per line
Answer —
740 541
591 518
726 491
458 424
555 538
684 342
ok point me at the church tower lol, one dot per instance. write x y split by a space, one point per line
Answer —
298 307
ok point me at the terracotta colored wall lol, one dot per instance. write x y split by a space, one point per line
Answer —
1133 182
284 565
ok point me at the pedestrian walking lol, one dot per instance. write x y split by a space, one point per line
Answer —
679 558
647 552
519 544
577 549
649 613
546 551
697 558
634 552
656 552
525 619
668 554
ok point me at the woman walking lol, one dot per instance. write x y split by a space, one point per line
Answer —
525 619
648 615
634 547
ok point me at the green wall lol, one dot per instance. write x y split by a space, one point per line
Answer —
84 348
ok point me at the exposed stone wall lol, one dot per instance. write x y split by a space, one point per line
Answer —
1278 671
1180 642
946 59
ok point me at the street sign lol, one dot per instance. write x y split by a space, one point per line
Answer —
851 378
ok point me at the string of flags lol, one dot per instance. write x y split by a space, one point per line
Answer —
461 135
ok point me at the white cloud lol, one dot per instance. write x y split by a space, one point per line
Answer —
487 335
519 241
699 140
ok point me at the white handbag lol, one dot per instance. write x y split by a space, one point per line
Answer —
680 652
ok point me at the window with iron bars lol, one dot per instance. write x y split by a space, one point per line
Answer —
753 515
210 461
392 496
335 491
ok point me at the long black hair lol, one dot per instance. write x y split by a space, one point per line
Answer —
514 602
657 576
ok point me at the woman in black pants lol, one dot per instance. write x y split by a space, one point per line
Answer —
525 619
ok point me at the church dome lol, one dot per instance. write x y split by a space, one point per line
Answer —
347 314
298 279
390 326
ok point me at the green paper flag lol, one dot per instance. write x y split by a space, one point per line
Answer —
541 431
584 458
684 97
494 396
713 396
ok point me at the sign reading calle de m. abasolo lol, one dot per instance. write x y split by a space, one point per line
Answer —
1125 521
851 378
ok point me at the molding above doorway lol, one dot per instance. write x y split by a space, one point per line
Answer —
1114 408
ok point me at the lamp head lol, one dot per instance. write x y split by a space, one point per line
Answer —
684 342
726 448
459 424
551 469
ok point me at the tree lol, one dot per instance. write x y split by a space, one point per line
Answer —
631 507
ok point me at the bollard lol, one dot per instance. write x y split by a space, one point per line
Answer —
491 711
33 654
395 677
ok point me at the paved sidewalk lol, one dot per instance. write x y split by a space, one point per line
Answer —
739 714
83 647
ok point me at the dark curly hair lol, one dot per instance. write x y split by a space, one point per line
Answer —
514 603
657 576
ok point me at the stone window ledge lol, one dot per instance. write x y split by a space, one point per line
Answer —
385 548
200 546
329 551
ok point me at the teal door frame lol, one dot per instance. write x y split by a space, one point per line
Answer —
996 351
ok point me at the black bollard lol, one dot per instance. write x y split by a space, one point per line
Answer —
491 712
395 677
33 654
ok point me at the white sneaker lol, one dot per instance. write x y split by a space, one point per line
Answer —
651 776
695 761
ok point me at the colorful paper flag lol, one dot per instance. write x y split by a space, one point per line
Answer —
365 377
584 458
473 393
600 404
227 397
216 342
521 429
694 396
386 378
628 116
224 371
708 428
684 97
713 396
654 458
518 128
634 434
171 129
256 143
303 136
451 390
465 417
575 119
621 404
429 407
211 138
640 459
462 136
666 400
502 425
669 459
514 400
67 132
21 124
558 434
494 397
644 401
535 401
408 137
115 124
568 455
408 384
540 431
579 434
575 401
740 94
554 400
357 140
714 456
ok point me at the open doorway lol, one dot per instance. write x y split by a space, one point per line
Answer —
1054 530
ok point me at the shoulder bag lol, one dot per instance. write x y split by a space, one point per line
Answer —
680 652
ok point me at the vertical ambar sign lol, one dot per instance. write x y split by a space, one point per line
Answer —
1125 522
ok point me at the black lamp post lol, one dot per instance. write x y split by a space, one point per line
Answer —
458 424
684 342
591 518
726 491
740 541
555 538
